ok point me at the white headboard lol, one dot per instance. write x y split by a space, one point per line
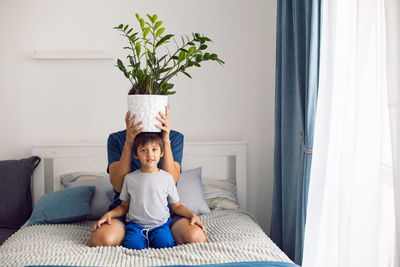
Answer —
221 160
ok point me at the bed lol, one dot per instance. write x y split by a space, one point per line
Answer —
234 238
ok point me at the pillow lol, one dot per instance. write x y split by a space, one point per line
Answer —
190 191
100 201
221 203
220 194
63 206
15 191
68 178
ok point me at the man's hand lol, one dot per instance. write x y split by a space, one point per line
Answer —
132 130
165 126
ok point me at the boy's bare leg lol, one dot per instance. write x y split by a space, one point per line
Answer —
108 234
184 233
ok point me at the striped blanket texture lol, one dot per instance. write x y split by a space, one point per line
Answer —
233 236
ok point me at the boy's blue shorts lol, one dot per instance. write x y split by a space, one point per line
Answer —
137 237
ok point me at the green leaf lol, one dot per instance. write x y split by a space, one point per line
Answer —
191 50
181 56
196 64
137 48
126 27
164 39
168 86
140 77
159 32
130 30
121 65
146 32
150 55
141 23
164 70
187 74
213 57
131 61
158 24
206 56
220 61
122 68
199 58
150 17
203 47
162 58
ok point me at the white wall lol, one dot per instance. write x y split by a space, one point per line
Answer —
71 101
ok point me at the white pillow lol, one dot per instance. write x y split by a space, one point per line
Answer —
220 194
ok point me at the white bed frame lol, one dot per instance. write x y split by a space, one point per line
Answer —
221 160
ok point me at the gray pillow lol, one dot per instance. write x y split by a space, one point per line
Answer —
100 201
15 191
190 190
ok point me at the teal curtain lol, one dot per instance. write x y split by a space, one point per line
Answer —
297 64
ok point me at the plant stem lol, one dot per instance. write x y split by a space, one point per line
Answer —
169 76
133 52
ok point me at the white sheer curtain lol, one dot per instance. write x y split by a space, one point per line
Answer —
351 208
393 75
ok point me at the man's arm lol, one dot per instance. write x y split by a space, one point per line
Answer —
118 169
168 162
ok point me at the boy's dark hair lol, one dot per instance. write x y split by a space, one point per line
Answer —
145 138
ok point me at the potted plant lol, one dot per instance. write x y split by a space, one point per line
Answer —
150 74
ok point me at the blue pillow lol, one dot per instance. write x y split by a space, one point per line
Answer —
72 204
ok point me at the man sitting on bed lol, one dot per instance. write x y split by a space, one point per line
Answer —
145 196
121 162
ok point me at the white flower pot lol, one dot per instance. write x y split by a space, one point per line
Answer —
146 108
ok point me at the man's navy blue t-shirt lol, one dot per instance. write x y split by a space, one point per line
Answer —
115 145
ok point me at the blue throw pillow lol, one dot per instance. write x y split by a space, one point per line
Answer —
72 204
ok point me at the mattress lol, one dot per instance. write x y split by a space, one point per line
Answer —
233 236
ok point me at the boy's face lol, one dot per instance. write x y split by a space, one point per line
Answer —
149 155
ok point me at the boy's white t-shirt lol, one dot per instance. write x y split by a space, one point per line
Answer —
148 195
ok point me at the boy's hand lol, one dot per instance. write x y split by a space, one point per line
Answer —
196 220
105 219
132 130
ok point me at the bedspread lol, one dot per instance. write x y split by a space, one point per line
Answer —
233 236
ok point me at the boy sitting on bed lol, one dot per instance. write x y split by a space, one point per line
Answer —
145 196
